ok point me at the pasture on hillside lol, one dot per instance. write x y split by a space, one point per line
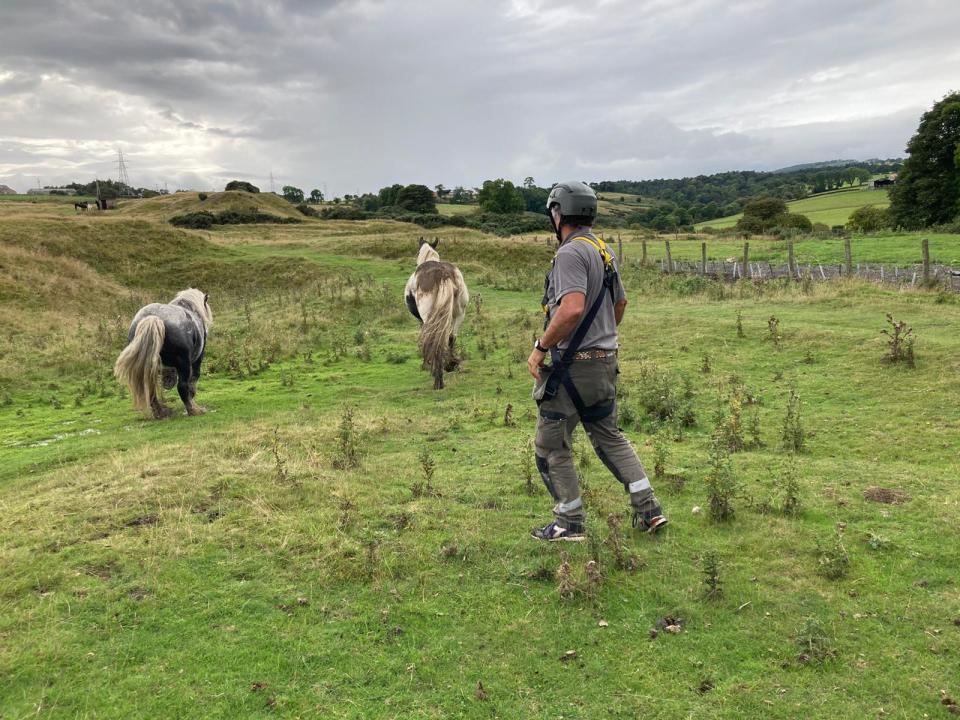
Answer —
335 539
830 208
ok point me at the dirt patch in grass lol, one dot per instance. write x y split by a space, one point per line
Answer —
887 496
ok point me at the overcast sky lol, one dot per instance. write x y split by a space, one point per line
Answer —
350 96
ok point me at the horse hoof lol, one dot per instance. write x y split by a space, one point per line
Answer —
162 412
196 410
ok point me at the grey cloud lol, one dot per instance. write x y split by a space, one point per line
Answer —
360 94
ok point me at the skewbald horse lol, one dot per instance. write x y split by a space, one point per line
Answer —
437 296
171 339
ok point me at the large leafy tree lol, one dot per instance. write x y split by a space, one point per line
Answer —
928 186
500 196
417 198
293 194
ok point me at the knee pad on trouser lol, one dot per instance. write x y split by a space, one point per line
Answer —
544 467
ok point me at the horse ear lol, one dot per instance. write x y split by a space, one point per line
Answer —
206 296
422 241
436 241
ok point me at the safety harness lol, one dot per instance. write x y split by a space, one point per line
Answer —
560 363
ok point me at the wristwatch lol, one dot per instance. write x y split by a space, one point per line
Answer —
538 346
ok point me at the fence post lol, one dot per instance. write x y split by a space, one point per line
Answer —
669 258
848 256
703 257
643 257
926 260
746 260
791 260
619 248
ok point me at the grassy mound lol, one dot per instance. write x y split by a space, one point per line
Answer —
165 207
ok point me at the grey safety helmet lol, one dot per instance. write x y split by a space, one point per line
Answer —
574 198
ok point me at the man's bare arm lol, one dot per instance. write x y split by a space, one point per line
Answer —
562 324
565 319
619 309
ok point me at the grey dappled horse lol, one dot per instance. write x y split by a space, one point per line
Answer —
170 339
437 296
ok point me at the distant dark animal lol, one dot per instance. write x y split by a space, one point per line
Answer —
80 206
437 296
169 339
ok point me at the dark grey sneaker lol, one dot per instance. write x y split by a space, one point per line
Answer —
651 521
553 533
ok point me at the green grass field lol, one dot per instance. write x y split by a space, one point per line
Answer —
901 249
452 209
832 208
240 564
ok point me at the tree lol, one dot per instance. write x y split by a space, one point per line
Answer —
388 195
868 219
293 194
417 198
500 196
442 192
928 186
535 199
242 185
316 196
765 208
528 182
461 196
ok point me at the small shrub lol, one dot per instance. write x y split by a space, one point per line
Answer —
307 210
787 486
712 584
756 439
202 197
720 482
705 364
740 333
661 454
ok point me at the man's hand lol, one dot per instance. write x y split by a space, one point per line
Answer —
535 362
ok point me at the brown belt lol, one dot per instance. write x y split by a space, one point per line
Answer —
594 354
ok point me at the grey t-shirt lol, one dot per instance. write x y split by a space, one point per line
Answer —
578 267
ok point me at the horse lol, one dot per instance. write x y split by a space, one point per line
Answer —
80 206
437 296
169 339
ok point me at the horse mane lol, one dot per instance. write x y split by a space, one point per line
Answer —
427 254
196 300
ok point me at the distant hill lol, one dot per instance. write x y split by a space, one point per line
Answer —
7 190
817 165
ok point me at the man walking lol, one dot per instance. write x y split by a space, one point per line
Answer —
584 301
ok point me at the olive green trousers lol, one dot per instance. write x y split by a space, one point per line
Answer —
596 382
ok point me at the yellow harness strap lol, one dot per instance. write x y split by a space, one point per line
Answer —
604 254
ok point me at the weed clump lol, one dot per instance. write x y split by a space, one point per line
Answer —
428 466
899 343
664 397
348 442
815 644
773 326
793 435
833 562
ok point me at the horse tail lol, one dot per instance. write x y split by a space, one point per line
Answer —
436 331
138 366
